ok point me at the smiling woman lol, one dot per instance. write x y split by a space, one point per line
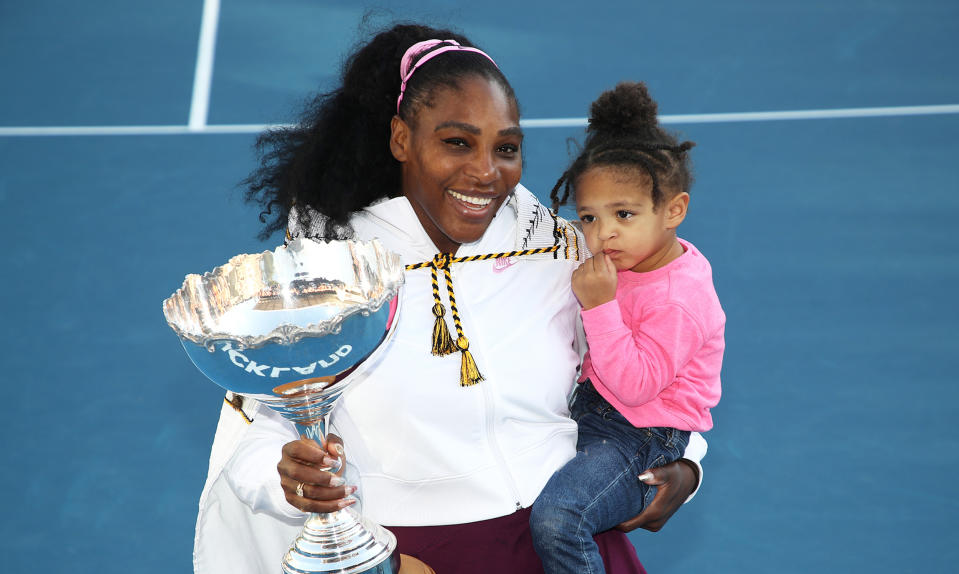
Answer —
461 159
452 469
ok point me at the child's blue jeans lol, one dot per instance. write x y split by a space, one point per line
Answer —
598 489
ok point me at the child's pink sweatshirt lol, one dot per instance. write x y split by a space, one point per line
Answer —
655 352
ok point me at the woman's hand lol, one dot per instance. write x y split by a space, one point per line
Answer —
674 483
319 471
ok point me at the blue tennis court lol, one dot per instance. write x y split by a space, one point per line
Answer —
826 198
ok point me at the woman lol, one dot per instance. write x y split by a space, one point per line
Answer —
421 148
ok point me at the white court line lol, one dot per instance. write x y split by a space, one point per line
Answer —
203 75
529 123
766 116
133 130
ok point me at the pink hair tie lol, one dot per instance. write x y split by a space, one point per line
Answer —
418 48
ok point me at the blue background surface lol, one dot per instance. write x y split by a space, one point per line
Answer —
832 241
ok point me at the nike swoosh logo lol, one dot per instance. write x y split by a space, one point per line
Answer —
502 263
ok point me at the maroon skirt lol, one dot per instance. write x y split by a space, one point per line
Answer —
501 545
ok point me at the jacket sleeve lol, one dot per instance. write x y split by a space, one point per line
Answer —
695 452
251 471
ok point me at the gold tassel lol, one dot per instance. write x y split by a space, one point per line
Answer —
442 342
469 374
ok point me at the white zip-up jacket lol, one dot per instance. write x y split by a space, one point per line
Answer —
426 450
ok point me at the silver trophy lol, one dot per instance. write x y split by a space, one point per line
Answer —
293 328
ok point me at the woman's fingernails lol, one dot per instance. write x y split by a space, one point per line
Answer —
337 481
646 476
338 448
350 490
346 502
327 461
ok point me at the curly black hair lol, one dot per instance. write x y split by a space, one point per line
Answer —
624 133
336 159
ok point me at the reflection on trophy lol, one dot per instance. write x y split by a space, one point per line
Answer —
293 328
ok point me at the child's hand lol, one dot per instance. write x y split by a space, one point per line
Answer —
594 282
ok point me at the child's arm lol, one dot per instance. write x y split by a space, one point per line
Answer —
594 281
636 364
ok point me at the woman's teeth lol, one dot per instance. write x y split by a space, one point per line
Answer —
470 200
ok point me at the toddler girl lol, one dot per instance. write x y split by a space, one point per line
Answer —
653 323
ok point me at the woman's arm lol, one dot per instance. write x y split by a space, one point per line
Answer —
306 463
252 470
676 483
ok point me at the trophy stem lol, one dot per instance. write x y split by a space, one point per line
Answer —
314 429
344 541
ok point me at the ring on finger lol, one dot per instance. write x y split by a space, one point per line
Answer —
299 489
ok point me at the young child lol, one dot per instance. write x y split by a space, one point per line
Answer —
653 323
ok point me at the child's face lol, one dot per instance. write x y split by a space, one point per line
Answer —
615 207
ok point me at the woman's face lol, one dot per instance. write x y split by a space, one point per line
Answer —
461 159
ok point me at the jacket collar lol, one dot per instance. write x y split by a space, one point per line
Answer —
395 223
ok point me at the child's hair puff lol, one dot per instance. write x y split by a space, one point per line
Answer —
625 110
624 133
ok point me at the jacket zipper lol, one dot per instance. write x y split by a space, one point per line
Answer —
491 439
494 446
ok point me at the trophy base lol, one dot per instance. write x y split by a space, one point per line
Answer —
342 542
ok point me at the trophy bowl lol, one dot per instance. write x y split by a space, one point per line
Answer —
293 328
